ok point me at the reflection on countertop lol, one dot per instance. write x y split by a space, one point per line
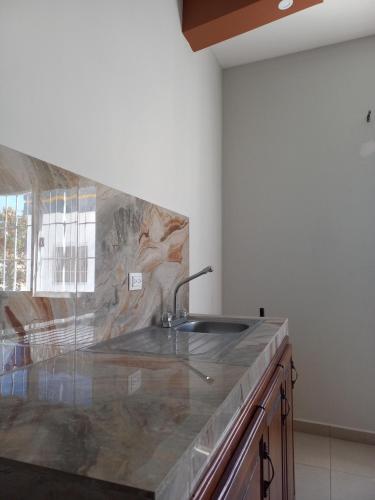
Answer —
24 345
67 244
147 424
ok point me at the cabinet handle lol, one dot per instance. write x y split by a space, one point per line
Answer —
284 398
267 483
295 377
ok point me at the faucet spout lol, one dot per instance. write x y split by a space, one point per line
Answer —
206 270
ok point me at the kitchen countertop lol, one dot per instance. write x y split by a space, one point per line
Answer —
147 424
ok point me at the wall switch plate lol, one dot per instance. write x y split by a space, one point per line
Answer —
135 281
134 382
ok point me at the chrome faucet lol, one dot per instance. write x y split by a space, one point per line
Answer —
173 319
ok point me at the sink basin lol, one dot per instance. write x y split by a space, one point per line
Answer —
203 339
211 327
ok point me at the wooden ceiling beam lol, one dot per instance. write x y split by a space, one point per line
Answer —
207 22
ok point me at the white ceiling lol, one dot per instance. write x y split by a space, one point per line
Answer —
324 24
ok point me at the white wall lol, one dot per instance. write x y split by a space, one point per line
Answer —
299 217
111 90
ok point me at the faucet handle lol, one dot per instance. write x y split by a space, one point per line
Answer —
182 313
166 319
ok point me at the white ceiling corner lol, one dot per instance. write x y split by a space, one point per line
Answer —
331 22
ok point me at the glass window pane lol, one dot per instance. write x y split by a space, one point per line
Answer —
74 203
20 205
9 275
3 200
2 275
22 246
28 204
59 265
21 270
10 216
11 202
10 236
1 242
45 207
60 203
82 264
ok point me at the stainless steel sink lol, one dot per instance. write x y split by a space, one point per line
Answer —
208 338
211 327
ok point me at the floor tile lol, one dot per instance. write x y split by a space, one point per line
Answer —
312 450
351 487
353 458
312 483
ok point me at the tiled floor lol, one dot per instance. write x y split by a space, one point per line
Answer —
332 469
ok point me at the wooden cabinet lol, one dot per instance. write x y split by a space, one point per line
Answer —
273 440
256 461
243 476
287 365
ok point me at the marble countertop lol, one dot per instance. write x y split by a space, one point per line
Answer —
147 424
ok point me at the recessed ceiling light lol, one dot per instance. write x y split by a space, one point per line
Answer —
286 4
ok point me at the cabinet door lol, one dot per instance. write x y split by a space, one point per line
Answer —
273 451
243 478
289 483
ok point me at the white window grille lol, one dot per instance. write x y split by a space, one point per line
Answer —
65 264
15 242
66 241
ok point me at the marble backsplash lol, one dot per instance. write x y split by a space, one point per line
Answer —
67 245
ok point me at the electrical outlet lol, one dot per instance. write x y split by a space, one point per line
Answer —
135 281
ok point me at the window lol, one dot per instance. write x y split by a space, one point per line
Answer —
65 264
66 240
82 266
59 265
86 239
15 242
57 241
